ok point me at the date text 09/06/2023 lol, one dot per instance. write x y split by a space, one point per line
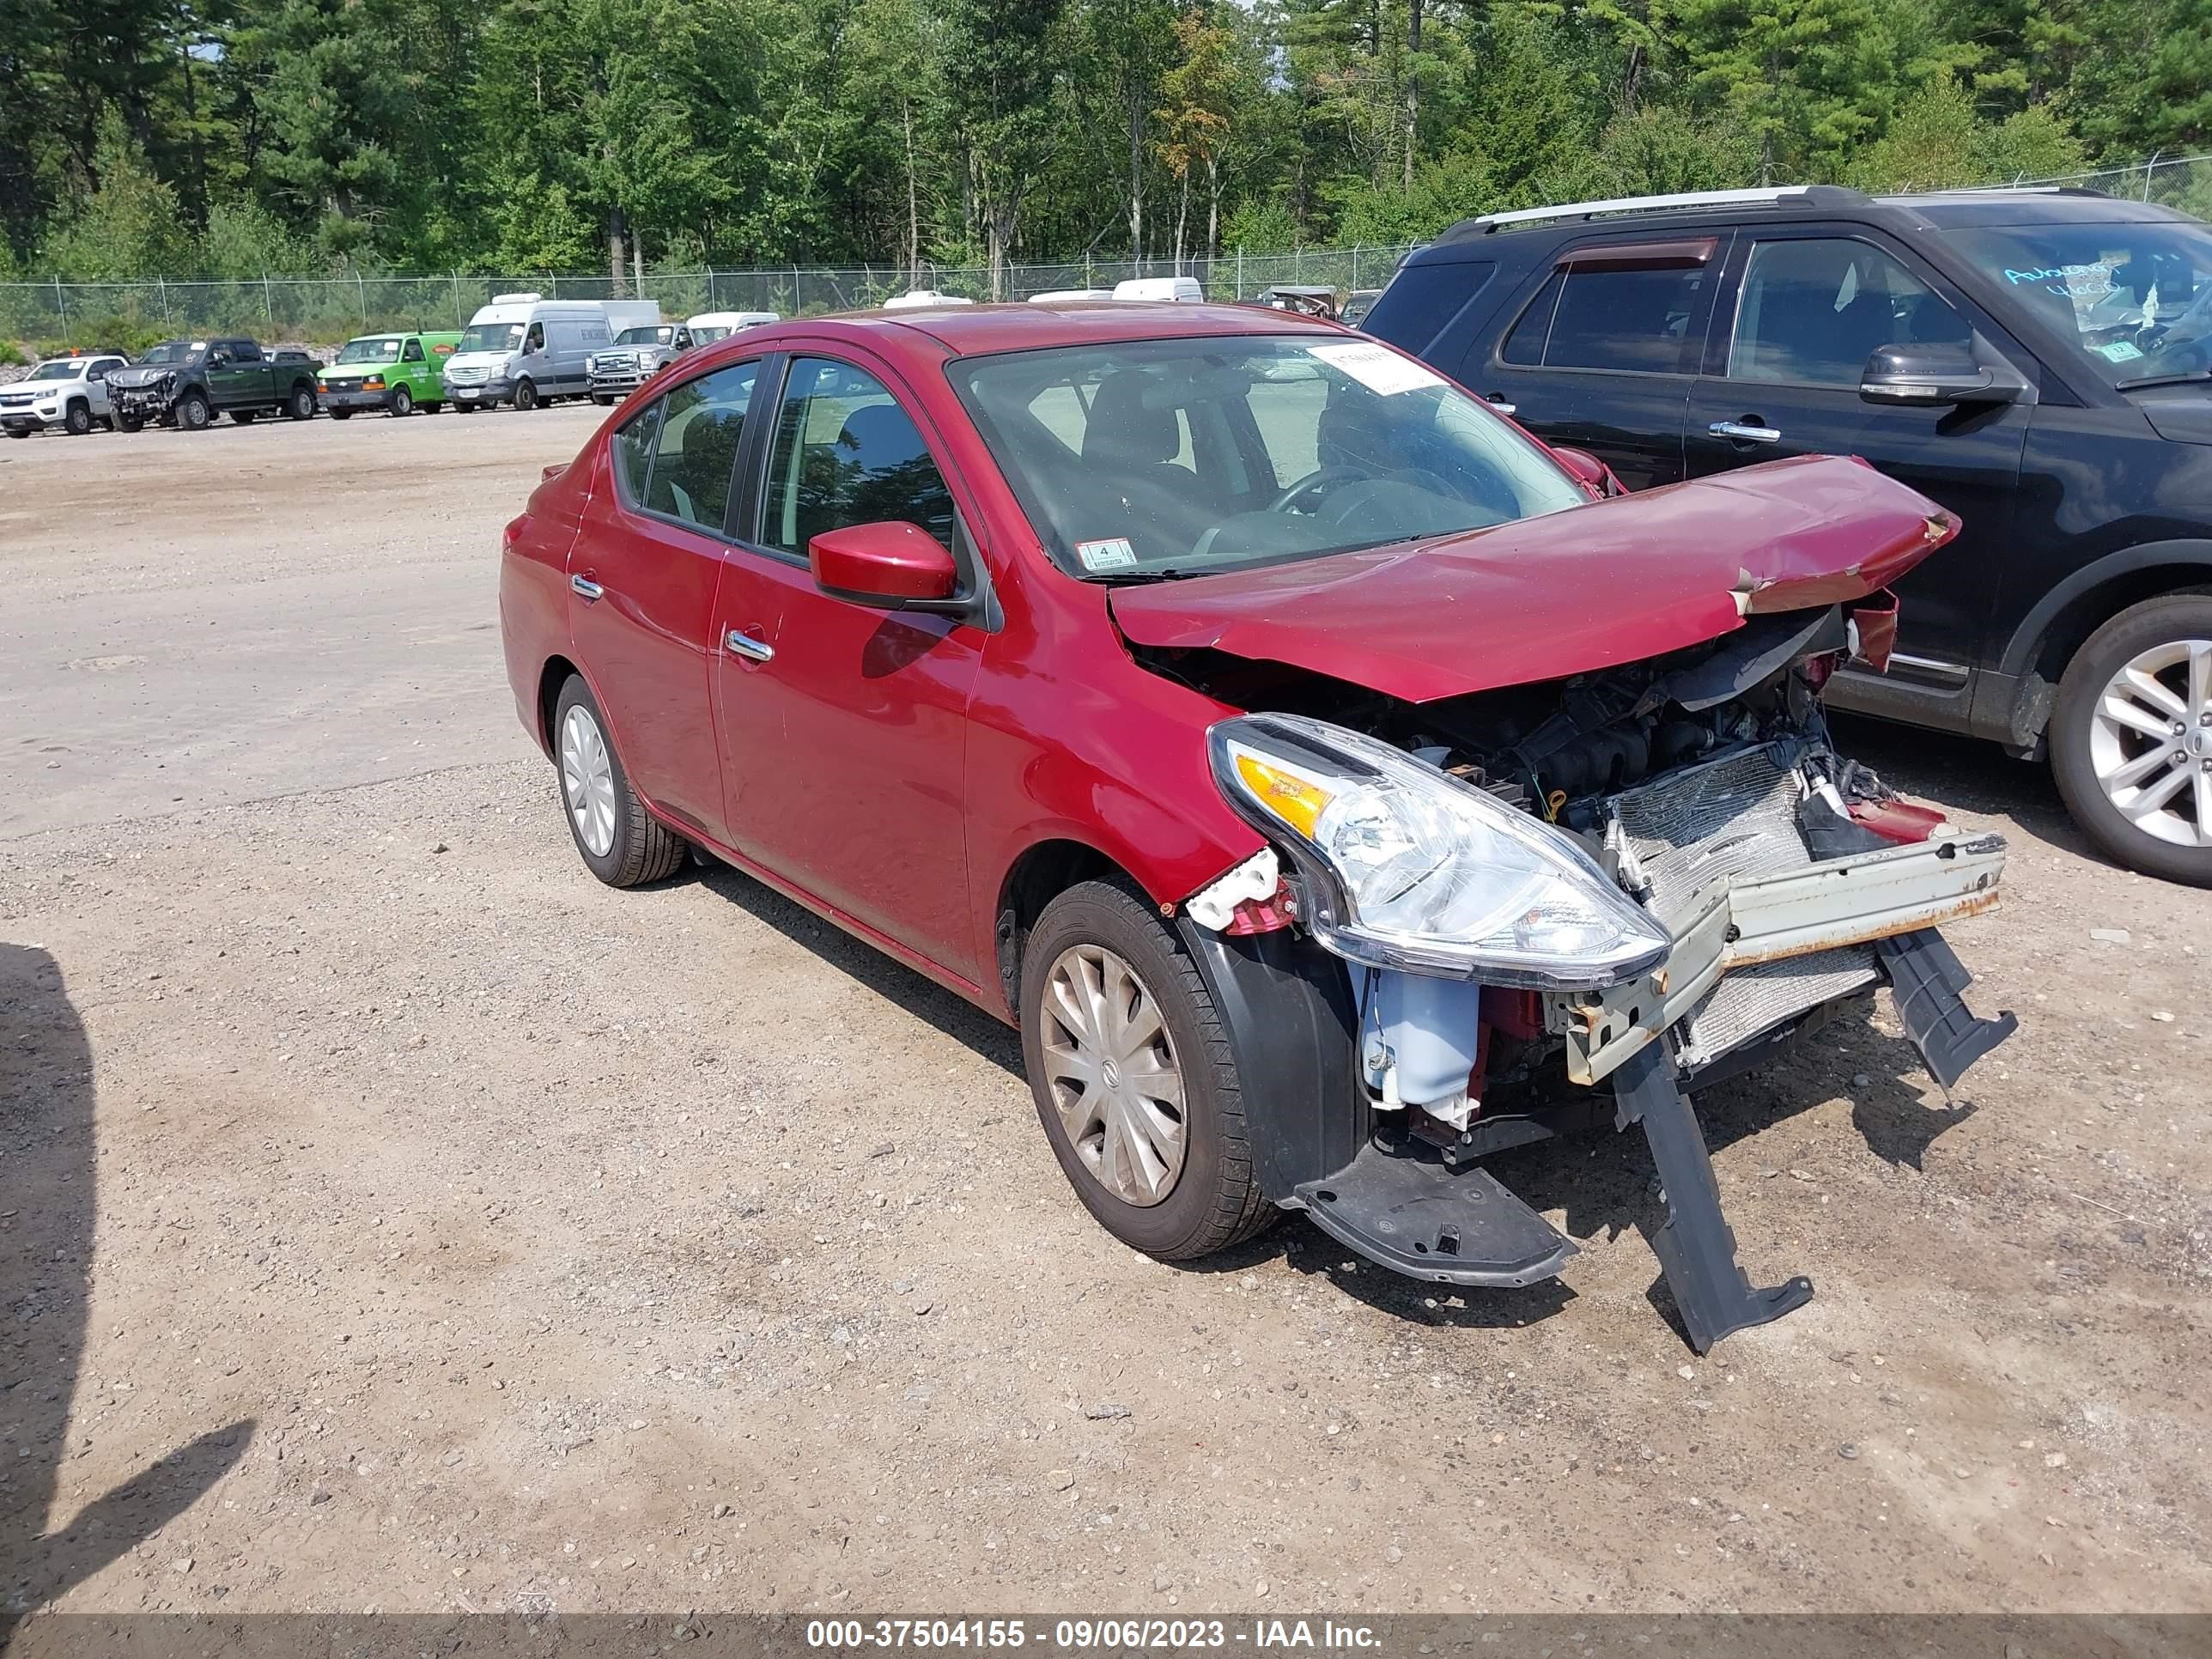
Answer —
1081 1634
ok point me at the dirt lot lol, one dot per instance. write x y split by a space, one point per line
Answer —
390 1216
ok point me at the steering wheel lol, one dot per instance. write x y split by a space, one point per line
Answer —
1319 478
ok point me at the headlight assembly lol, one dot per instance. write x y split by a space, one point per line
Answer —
1410 868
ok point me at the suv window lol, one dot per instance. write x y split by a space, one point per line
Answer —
847 453
535 340
695 445
1813 309
1596 317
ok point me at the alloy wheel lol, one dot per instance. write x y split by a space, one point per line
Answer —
2150 742
1113 1074
587 779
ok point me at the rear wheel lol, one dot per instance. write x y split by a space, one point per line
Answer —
300 405
18 431
342 414
403 401
525 395
2131 738
129 423
78 419
433 409
1134 1078
621 843
192 411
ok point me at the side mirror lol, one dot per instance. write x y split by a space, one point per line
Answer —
1935 374
888 564
1589 470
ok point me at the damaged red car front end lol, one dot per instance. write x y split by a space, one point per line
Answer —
1343 788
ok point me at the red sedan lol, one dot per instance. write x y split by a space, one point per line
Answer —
1333 784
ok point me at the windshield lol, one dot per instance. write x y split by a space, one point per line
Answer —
1179 457
169 351
2134 301
57 369
706 333
490 336
646 336
385 349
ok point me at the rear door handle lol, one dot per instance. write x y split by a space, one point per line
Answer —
744 644
1496 401
584 588
1745 432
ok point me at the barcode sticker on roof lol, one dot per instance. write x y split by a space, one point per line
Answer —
1376 369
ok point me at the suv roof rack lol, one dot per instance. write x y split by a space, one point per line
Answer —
1695 198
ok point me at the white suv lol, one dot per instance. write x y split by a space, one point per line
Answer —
70 392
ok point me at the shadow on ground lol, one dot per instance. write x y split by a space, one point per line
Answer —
46 1217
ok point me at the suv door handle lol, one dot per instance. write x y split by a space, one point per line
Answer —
744 644
584 588
1496 401
1745 432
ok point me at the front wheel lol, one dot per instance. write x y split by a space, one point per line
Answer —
78 420
131 423
403 401
1134 1077
193 413
602 399
434 408
300 405
342 414
525 395
621 843
2131 738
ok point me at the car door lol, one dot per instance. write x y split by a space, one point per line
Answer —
843 727
1804 306
642 575
1603 348
413 369
229 377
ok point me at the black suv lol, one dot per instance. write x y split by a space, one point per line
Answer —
2039 361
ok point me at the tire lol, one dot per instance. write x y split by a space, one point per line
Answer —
403 401
1212 1201
130 423
602 399
434 408
525 395
300 405
18 431
108 421
466 408
342 414
76 419
2118 780
244 416
192 412
638 847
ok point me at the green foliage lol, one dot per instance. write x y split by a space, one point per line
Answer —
237 137
11 355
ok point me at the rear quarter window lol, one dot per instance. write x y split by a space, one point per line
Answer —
1424 299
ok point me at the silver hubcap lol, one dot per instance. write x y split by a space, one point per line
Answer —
2151 743
587 777
1113 1074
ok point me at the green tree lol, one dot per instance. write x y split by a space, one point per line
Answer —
999 59
130 225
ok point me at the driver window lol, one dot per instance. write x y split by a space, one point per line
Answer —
1814 309
535 340
846 453
413 352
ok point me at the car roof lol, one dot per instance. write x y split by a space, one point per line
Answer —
971 331
1942 210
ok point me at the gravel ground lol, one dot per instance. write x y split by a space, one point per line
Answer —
392 1217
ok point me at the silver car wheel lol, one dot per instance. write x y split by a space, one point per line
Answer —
2150 742
587 778
1113 1074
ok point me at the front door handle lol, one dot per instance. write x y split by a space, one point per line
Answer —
1496 400
1746 431
744 644
584 588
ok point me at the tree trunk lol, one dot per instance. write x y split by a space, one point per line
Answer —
1212 208
617 250
1136 168
1182 217
1413 84
913 199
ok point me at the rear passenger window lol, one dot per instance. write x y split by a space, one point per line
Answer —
632 454
847 453
695 447
1636 320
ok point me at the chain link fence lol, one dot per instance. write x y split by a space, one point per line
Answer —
327 310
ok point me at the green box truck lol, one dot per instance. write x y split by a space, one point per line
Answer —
396 373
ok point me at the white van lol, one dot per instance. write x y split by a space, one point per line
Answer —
527 350
1053 296
1184 289
915 298
710 326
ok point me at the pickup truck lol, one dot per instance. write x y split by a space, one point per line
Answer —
70 392
187 383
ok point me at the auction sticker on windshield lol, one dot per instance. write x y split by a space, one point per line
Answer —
1378 370
1113 553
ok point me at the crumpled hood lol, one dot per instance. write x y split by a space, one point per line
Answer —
141 374
1565 593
